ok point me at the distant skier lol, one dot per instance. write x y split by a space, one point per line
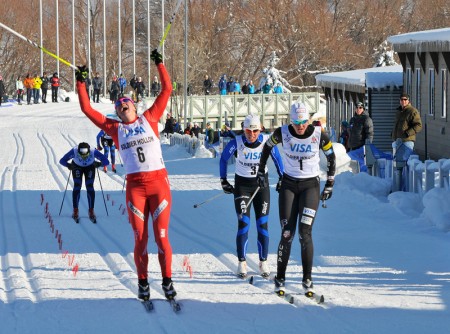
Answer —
83 163
105 141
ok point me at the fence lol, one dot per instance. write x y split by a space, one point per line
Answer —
413 175
216 109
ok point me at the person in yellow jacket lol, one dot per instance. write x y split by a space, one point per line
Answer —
28 82
37 82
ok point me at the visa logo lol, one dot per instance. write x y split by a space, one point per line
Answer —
300 148
133 132
253 156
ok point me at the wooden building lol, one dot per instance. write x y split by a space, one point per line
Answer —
425 58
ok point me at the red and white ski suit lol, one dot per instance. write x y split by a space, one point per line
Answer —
147 189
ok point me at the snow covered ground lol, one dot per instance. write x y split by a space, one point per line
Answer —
382 261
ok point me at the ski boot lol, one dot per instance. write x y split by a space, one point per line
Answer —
264 269
113 167
92 216
169 290
105 169
308 287
242 269
75 215
279 286
143 291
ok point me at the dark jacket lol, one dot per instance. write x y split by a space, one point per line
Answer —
45 82
360 129
407 124
97 83
2 89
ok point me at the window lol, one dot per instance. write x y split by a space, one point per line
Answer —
417 93
408 80
444 92
431 90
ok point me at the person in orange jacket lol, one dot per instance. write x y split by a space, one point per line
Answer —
28 82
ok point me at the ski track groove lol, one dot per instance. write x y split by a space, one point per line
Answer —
20 269
52 162
4 244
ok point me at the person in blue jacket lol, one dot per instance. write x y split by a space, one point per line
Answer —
83 163
247 148
105 141
223 85
122 84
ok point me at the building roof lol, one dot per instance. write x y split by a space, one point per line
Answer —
422 41
358 80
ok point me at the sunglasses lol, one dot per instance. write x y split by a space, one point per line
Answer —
300 122
122 100
360 107
251 131
403 99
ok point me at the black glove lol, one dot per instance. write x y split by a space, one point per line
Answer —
405 134
261 179
156 57
226 186
97 164
278 187
327 191
70 166
81 73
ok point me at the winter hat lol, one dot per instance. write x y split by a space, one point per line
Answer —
84 148
360 104
345 124
252 122
299 114
404 95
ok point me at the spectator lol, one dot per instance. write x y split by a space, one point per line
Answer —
140 89
122 84
209 140
245 87
236 87
176 126
88 85
230 86
44 86
168 127
207 85
267 88
407 123
155 87
133 82
2 90
54 81
19 89
28 82
251 87
278 89
360 128
37 82
223 85
188 130
195 130
343 138
97 84
114 90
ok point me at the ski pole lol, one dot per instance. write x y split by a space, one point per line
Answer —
123 187
324 205
248 203
38 46
209 200
100 181
166 31
70 172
